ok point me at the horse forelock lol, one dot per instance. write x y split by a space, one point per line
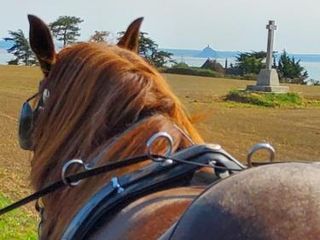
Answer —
97 92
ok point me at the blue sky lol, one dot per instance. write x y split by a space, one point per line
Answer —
224 24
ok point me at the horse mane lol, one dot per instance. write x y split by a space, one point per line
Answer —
98 92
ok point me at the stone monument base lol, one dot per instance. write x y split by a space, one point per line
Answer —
268 81
268 77
275 89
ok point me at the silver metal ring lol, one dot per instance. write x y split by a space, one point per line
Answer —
65 168
45 95
155 137
258 147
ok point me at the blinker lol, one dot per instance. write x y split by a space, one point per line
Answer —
26 126
26 123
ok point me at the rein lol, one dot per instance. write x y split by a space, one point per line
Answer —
100 170
165 171
74 178
222 163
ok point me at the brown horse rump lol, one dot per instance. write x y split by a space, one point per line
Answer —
273 202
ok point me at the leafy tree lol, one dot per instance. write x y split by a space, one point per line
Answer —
160 58
290 70
20 49
13 62
99 36
66 29
314 82
250 62
148 49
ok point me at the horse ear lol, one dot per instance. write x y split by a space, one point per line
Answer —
41 43
130 39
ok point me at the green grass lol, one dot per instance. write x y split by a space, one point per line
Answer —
290 99
16 224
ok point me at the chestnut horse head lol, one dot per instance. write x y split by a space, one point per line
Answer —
100 99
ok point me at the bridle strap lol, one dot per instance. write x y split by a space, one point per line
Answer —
74 178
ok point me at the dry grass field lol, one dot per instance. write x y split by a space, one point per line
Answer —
294 132
16 83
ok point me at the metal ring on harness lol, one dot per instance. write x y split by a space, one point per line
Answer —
150 142
258 147
65 168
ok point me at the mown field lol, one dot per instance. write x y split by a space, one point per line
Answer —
294 132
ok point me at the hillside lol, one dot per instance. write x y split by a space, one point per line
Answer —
5 44
205 53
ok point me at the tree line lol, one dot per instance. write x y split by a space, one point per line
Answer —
67 31
288 68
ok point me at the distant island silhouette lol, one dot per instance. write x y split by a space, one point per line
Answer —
209 52
206 52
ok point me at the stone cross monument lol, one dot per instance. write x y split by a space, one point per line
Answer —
271 28
268 80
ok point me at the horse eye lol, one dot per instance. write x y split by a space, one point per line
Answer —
45 95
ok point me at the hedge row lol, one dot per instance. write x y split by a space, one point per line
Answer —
192 71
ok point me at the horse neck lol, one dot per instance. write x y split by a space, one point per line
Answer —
130 143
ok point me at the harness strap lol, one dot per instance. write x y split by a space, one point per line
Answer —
152 178
74 178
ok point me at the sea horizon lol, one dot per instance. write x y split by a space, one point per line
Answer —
310 62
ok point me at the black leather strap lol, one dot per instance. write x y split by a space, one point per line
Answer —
152 178
74 178
228 162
